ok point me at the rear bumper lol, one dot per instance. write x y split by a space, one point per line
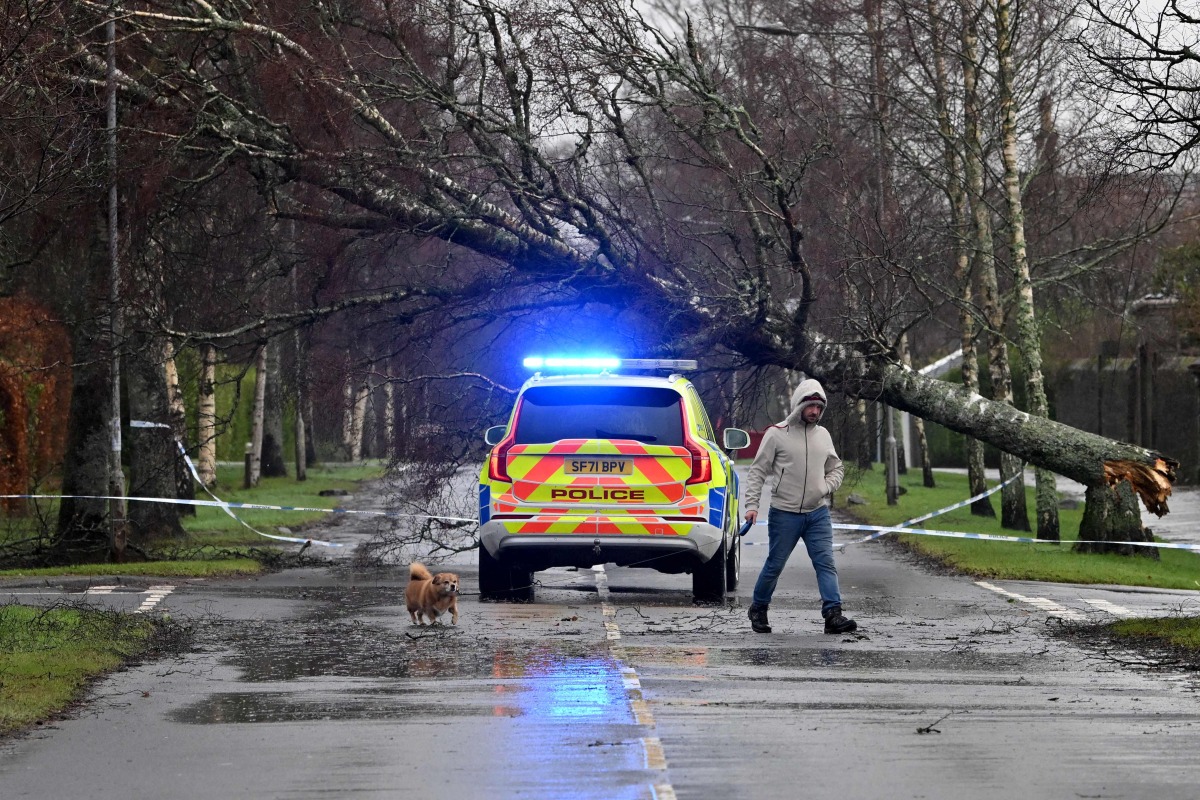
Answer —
667 553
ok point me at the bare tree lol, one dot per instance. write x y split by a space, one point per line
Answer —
1029 340
258 421
206 414
1148 63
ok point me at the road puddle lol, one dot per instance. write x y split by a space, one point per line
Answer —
262 707
352 670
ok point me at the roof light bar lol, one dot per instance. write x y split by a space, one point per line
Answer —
660 363
554 362
609 362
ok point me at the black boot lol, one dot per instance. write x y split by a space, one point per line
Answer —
758 619
836 622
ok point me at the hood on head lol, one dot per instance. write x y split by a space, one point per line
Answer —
808 393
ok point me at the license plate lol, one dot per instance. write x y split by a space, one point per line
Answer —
598 466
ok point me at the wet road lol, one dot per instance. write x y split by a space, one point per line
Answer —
613 685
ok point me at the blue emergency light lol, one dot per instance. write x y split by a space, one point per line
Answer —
608 362
556 362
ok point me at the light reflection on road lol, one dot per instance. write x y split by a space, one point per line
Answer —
551 687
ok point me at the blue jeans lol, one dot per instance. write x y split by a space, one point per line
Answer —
785 529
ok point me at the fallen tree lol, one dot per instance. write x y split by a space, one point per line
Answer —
579 151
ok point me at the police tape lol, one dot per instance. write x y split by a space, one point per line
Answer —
996 537
878 531
221 503
226 506
138 423
897 528
939 512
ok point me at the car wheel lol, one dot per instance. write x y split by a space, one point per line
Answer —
500 581
708 579
733 564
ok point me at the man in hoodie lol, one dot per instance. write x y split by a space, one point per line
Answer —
799 456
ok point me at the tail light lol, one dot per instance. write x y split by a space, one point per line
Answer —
498 460
701 460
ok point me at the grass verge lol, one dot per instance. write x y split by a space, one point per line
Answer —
227 563
49 655
1183 632
1176 569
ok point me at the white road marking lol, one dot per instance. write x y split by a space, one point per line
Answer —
1111 608
655 755
1049 606
154 596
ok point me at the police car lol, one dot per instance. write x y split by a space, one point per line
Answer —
608 461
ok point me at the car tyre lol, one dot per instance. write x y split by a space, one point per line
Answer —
502 582
708 579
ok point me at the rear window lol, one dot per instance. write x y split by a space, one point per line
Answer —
644 414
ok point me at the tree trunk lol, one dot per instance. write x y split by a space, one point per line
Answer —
357 422
927 479
1029 342
274 464
153 455
953 161
389 421
256 430
404 442
348 413
1013 514
310 439
301 398
299 374
185 487
863 445
899 434
918 425
1112 514
976 472
206 417
84 524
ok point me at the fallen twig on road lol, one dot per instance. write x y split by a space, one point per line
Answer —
929 728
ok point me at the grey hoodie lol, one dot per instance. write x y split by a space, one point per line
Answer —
800 457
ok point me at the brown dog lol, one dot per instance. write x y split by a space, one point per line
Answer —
430 595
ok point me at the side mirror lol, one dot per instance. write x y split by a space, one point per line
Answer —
494 434
735 438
